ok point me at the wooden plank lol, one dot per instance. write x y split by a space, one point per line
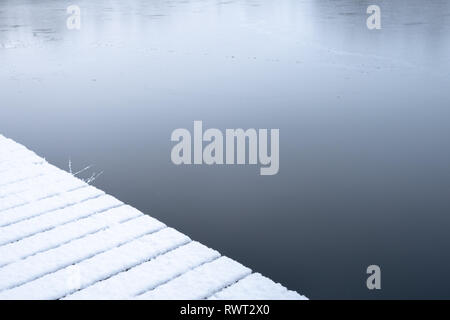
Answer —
54 227
149 275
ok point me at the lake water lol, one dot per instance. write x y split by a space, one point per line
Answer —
364 119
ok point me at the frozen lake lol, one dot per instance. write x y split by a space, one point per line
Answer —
364 119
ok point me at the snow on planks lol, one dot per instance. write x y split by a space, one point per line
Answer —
61 238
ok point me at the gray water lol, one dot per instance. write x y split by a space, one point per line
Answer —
364 119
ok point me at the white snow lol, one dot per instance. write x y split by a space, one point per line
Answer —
21 187
256 287
64 233
36 266
99 267
54 218
61 238
149 275
47 204
201 282
41 190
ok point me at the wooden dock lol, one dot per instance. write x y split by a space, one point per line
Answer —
61 238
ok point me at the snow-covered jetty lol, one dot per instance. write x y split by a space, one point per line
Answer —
61 238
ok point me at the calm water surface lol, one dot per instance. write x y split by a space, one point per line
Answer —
364 119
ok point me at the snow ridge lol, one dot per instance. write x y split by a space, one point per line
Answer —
61 238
